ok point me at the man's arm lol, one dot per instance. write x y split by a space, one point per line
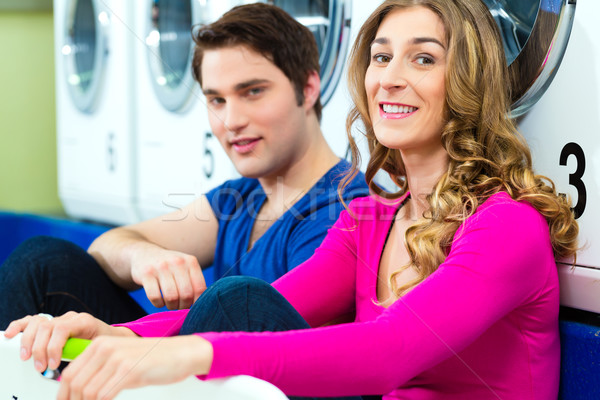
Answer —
164 254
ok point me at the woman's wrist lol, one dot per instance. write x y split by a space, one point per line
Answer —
198 352
122 331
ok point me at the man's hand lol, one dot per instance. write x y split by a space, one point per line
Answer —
169 278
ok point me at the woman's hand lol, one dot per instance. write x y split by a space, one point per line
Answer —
44 338
111 364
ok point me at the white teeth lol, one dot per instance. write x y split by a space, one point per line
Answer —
395 109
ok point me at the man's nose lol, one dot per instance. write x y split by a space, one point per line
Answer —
236 117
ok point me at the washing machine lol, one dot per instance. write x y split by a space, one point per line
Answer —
563 130
95 121
555 103
178 157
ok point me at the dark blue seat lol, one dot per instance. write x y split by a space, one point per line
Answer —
580 359
17 227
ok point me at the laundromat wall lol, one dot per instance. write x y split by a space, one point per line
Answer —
28 180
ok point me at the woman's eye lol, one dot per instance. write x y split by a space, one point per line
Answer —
382 58
425 60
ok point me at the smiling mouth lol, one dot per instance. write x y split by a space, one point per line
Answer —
397 109
244 142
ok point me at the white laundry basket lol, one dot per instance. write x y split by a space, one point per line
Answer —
20 381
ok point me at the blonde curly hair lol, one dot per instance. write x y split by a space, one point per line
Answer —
487 154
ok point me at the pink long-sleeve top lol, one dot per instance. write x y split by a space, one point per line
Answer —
483 326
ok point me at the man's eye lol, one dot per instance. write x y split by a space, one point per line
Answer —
255 91
215 101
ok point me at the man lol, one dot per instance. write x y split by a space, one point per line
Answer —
259 71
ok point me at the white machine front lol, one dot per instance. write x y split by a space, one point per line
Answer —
563 129
95 124
179 158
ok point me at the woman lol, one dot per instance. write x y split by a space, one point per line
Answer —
452 279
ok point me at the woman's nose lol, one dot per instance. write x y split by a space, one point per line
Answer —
394 76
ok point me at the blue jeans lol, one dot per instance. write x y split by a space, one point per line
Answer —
246 304
53 276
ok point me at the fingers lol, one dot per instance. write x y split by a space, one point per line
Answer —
16 327
37 341
181 274
55 345
82 379
152 289
168 286
198 282
111 364
44 339
176 283
104 369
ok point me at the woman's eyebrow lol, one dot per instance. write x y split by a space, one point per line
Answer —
416 40
419 40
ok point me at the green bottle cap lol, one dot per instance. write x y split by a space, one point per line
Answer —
74 347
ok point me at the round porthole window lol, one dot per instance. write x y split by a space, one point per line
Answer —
535 35
329 21
84 52
169 43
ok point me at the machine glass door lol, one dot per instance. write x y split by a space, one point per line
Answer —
169 43
329 21
535 35
84 52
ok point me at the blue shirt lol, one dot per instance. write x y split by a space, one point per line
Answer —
291 239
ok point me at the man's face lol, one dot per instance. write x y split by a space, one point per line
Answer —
253 111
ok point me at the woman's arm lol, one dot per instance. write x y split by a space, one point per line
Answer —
501 260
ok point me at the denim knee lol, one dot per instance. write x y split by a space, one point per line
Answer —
34 253
242 303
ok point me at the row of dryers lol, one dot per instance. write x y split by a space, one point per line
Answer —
133 135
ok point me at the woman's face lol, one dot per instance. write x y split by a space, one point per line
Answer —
405 81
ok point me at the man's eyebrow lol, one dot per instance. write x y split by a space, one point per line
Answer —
238 87
250 83
416 40
210 92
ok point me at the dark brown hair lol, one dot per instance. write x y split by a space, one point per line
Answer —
269 31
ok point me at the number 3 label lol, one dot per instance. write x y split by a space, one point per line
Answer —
575 178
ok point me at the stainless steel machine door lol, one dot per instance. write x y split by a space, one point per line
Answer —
329 21
535 35
169 43
84 50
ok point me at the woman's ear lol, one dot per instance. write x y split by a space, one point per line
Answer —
312 90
